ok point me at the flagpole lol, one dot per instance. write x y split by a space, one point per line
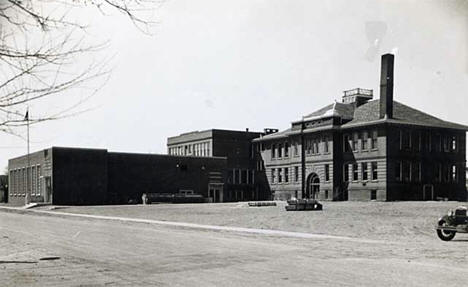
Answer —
27 197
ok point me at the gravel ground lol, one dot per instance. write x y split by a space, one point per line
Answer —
405 250
395 221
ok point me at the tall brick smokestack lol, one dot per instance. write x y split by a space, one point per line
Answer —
386 86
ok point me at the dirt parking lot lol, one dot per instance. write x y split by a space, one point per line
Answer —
377 244
394 221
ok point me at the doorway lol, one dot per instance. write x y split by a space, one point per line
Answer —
215 192
428 192
313 186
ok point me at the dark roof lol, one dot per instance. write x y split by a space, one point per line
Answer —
320 112
403 114
276 135
369 113
345 111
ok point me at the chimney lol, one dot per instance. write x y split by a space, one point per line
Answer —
386 86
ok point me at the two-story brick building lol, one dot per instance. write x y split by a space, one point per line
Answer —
365 149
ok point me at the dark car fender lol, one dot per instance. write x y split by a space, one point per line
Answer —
447 219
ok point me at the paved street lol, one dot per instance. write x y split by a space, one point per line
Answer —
97 252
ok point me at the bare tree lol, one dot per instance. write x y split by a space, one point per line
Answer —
41 43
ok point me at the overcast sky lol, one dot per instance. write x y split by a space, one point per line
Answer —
255 64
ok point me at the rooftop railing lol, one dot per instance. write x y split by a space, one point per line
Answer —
358 91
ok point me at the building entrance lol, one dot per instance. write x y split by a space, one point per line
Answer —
428 192
215 192
313 186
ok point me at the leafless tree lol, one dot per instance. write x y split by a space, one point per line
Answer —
41 42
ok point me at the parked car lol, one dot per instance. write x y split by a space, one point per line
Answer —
455 221
303 204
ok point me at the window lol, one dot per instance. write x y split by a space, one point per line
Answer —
355 141
417 172
428 141
437 143
33 180
406 171
244 176
373 194
454 176
327 172
308 146
405 140
355 171
325 145
445 141
364 141
374 166
11 185
296 173
252 177
286 150
296 150
438 172
346 143
280 175
258 165
273 171
418 141
273 151
447 172
453 143
280 150
326 194
316 147
346 172
398 171
364 171
286 174
237 179
374 140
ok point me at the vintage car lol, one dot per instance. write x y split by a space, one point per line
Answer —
303 204
455 221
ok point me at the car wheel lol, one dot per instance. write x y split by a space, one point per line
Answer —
445 235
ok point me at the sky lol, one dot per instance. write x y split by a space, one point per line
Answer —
257 64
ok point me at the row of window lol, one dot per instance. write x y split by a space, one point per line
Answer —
312 146
24 179
317 145
407 171
368 171
278 149
197 149
277 174
367 139
241 176
412 140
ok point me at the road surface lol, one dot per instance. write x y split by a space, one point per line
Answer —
78 251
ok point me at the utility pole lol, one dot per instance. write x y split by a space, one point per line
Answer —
27 197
